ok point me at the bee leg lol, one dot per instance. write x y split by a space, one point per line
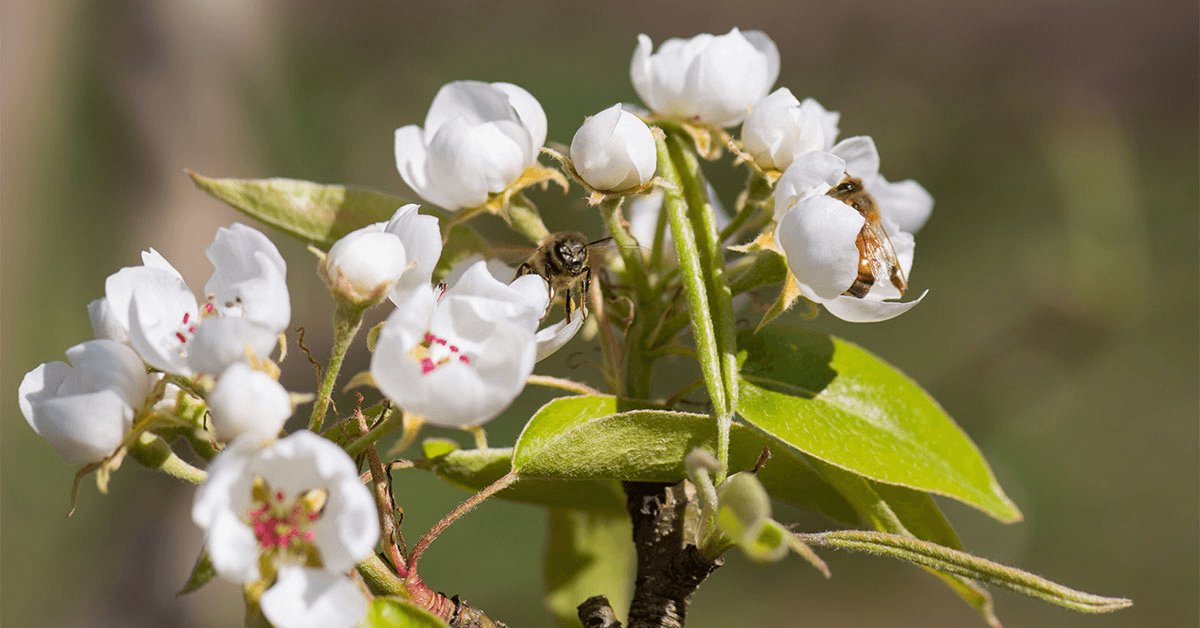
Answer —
522 270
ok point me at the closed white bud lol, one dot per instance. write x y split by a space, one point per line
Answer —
247 401
614 151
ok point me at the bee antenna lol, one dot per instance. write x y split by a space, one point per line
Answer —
600 240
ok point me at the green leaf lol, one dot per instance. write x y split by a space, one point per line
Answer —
900 510
834 401
960 563
314 213
202 572
474 469
587 553
387 612
600 437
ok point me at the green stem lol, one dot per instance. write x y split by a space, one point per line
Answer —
714 283
758 190
154 452
380 579
346 321
693 274
630 252
393 420
456 514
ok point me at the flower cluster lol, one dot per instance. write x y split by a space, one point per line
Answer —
288 516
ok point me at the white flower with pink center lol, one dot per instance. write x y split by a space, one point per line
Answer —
297 511
246 308
460 356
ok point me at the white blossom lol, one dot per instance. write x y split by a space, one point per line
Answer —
385 258
459 358
478 139
86 408
818 233
708 79
299 507
248 401
781 128
246 308
614 151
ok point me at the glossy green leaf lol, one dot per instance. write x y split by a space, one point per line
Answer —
314 213
474 469
587 553
386 612
600 437
834 401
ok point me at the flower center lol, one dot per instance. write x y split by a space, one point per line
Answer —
434 352
186 328
282 526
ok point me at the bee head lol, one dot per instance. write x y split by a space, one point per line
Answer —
572 252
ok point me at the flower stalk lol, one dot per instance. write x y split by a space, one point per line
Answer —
346 321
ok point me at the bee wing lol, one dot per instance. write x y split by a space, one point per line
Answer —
880 255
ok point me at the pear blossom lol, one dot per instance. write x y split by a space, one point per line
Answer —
478 139
247 306
459 357
781 128
385 258
526 293
708 79
86 408
614 151
298 510
818 233
248 401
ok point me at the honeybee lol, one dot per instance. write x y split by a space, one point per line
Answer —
876 255
562 260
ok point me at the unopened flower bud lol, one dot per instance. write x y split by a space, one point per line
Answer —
614 151
246 401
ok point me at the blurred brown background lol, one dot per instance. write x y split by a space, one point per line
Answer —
1059 139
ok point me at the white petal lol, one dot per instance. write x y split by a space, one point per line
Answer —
412 161
82 428
232 548
552 338
306 597
220 342
868 310
641 72
468 161
812 174
768 131
729 76
227 487
104 323
248 401
422 244
862 159
817 236
156 284
643 215
160 319
906 203
473 102
109 365
40 384
249 277
529 112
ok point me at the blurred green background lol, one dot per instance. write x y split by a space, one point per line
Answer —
1059 139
